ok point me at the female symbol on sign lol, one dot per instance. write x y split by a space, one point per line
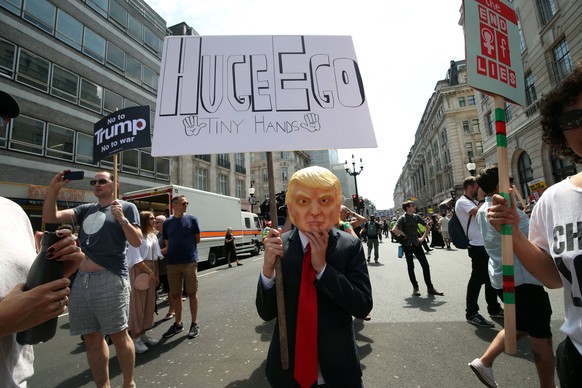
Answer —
487 42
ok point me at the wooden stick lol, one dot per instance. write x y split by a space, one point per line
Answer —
506 232
281 316
116 194
519 197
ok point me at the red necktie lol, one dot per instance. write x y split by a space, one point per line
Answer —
306 335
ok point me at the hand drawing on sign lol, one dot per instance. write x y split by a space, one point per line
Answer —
191 126
311 122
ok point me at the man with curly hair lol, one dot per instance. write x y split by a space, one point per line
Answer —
553 251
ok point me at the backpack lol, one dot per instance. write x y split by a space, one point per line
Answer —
372 231
457 233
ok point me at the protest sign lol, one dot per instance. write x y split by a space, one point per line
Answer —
122 130
223 94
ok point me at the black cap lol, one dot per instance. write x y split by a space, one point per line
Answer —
8 105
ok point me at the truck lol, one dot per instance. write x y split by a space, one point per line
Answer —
215 213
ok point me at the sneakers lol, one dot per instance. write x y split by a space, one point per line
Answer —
194 331
139 346
500 314
148 341
173 330
484 373
415 291
478 320
433 291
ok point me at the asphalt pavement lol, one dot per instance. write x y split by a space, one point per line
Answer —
410 341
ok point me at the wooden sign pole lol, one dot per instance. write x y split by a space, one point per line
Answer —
281 316
506 232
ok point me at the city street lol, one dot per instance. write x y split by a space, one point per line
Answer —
410 341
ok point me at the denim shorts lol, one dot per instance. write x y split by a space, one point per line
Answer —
99 302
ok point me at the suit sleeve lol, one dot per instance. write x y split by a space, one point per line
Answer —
266 302
348 285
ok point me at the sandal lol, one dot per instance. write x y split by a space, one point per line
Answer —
169 316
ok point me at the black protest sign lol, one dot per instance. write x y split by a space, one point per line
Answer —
122 130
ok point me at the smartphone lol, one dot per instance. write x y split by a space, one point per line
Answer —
74 175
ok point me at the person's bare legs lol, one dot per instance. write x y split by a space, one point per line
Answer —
125 355
544 360
98 358
193 299
176 303
496 347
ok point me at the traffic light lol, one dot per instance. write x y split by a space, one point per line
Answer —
361 203
355 201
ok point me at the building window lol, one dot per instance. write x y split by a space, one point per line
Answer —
64 84
91 96
240 189
147 165
466 128
33 70
27 135
112 101
562 168
283 155
115 56
69 30
239 163
490 123
99 5
547 9
461 101
469 149
508 112
7 58
265 175
41 13
284 174
163 168
471 99
562 60
150 77
223 160
60 142
479 148
118 13
201 178
133 69
525 172
130 161
530 89
522 46
134 28
84 152
94 45
223 184
475 125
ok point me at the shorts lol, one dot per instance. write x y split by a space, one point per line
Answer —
188 272
445 234
533 311
568 361
99 302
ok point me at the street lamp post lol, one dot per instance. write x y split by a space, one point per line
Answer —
355 174
252 199
471 167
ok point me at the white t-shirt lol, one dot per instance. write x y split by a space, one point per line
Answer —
148 250
17 252
556 227
462 208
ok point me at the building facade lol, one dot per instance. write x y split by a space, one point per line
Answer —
448 137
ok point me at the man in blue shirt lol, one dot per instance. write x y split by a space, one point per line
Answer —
182 235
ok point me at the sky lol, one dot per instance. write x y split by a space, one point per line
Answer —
403 50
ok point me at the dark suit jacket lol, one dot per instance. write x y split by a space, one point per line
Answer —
343 291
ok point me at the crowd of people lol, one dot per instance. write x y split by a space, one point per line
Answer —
116 256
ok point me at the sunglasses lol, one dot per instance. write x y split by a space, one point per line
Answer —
99 181
570 120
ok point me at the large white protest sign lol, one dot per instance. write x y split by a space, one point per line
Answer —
223 94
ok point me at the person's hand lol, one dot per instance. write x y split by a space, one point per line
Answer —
318 242
500 214
273 248
20 310
59 181
117 211
64 250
